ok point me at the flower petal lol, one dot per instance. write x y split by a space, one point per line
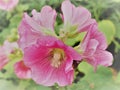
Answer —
5 51
101 57
45 74
22 71
38 58
31 28
93 48
74 54
28 34
9 47
99 36
67 9
94 34
79 16
46 18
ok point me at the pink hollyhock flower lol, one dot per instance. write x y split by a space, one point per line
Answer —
50 61
8 4
22 71
9 47
5 50
78 16
93 48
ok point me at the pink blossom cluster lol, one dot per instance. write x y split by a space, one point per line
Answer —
8 5
47 59
5 50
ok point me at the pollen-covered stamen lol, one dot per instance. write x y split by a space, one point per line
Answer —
57 57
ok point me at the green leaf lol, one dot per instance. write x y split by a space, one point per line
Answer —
30 85
102 79
117 30
22 7
78 38
15 20
3 35
108 28
22 85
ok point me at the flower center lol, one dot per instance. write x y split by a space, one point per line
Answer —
57 57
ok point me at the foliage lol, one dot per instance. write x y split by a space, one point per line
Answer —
108 28
102 79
